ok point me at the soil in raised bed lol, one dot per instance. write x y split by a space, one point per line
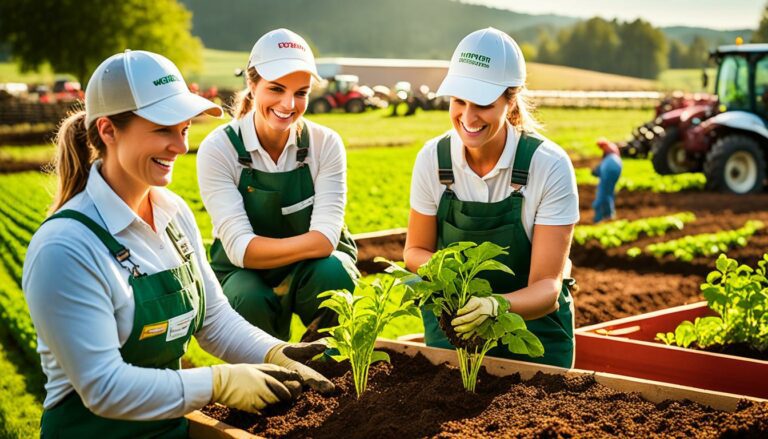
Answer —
411 398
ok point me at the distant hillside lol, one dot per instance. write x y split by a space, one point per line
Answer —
360 28
713 37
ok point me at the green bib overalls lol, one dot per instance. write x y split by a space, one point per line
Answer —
501 223
169 308
279 205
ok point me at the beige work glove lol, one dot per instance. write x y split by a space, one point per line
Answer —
252 387
292 356
474 313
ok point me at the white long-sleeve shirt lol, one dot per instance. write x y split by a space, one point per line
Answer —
82 307
218 175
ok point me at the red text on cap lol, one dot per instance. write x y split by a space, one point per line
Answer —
290 45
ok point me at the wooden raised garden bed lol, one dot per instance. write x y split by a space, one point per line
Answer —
416 396
627 347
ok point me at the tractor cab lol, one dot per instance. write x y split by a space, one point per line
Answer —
341 91
742 78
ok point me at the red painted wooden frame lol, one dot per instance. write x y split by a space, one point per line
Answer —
627 347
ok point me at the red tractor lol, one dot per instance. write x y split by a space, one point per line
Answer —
342 91
725 137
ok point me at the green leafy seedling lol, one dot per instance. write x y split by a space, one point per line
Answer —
362 316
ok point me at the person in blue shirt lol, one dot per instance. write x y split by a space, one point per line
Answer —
608 171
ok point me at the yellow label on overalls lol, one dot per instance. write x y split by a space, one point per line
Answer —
153 330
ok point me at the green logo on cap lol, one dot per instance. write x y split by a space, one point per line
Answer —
475 59
166 80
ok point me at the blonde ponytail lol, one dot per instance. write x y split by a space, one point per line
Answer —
244 99
520 113
77 147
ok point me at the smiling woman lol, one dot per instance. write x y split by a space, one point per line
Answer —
494 178
117 280
275 187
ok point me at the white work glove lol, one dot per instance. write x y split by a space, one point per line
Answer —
474 313
347 263
292 356
252 387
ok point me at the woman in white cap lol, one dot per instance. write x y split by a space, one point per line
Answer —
117 281
493 178
275 187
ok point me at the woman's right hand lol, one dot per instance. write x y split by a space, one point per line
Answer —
252 387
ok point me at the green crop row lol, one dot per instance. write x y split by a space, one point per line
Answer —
21 400
705 244
616 233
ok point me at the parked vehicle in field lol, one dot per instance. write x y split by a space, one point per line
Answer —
65 90
726 137
341 91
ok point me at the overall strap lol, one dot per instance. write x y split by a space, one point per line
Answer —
526 147
236 138
118 251
244 158
302 143
445 167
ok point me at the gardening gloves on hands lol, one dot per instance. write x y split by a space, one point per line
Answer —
252 387
292 356
474 313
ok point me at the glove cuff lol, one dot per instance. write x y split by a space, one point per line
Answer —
273 351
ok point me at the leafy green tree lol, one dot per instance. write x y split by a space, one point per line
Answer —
761 34
678 54
548 52
643 51
698 53
74 36
590 44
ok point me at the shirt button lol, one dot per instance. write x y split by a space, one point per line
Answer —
162 247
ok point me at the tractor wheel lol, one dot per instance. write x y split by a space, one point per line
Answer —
736 164
319 106
669 155
355 106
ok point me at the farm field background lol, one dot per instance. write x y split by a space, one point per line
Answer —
381 151
218 68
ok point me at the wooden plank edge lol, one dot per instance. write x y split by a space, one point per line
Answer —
202 426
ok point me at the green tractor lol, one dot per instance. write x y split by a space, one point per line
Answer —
726 138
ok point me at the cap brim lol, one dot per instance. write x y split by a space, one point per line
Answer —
470 89
272 70
178 108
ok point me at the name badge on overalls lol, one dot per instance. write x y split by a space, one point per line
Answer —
185 248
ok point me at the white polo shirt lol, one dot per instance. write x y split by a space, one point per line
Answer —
551 196
218 175
82 307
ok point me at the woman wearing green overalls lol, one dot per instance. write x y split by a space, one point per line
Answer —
275 187
117 281
493 178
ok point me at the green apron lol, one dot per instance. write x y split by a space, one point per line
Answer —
170 307
501 223
279 205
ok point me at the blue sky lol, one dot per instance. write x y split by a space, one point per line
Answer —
715 14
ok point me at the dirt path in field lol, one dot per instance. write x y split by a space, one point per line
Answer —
611 284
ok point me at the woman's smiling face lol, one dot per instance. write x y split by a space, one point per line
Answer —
479 125
281 102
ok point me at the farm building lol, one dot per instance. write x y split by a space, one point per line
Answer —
386 71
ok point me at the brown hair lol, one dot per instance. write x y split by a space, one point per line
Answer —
76 149
521 109
244 100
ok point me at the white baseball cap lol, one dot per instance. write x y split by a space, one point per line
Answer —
281 52
146 83
485 63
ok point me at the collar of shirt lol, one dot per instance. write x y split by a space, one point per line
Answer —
247 127
505 161
115 212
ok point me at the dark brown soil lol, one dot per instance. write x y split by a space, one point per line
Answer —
411 398
739 350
